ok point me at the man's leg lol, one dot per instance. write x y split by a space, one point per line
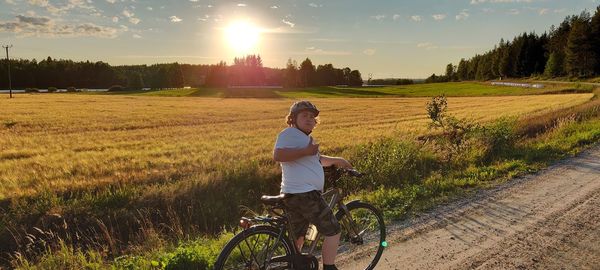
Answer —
300 243
330 247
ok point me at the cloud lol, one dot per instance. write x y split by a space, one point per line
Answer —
241 5
46 27
369 52
396 17
514 11
427 45
111 1
58 10
327 40
317 51
314 5
149 8
439 17
131 16
37 21
291 24
463 15
136 36
115 19
39 3
127 13
175 19
378 17
416 18
10 2
274 7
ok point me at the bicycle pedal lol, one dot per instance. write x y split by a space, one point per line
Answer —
356 240
306 261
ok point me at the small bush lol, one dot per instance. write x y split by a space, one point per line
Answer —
456 134
390 163
498 138
51 89
65 257
31 90
116 88
72 89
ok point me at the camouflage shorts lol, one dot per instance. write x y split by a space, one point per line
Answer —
310 208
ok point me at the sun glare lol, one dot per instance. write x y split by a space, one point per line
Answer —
242 36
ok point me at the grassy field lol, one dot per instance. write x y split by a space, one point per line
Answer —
60 142
129 173
457 89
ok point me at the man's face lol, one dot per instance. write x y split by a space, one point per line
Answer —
306 121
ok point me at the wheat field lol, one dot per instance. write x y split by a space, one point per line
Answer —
58 142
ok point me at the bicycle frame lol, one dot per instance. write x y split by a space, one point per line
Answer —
335 200
347 223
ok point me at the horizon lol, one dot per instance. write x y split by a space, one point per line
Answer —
425 36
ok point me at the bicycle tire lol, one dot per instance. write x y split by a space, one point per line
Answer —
227 253
360 208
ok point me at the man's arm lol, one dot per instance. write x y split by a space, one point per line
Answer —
291 154
339 162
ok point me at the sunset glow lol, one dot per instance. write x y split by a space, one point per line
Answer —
242 36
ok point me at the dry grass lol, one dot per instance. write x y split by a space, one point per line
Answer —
60 142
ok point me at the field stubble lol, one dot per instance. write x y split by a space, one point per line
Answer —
63 142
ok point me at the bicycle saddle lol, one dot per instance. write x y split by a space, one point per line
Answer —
273 200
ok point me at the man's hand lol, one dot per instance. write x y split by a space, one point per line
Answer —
311 149
342 163
338 162
291 154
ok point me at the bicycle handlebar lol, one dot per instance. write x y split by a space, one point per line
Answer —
353 172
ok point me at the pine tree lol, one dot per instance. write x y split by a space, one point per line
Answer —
595 39
580 56
553 65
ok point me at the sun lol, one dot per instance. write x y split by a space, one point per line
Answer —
242 36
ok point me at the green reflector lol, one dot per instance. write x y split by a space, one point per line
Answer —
384 244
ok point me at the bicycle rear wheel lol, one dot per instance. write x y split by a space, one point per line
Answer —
361 246
258 247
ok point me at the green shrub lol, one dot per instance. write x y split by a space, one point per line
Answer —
31 90
454 135
64 257
391 163
187 259
52 89
72 89
497 138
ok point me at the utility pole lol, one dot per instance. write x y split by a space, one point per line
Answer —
8 63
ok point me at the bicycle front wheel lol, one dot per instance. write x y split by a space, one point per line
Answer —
363 236
258 247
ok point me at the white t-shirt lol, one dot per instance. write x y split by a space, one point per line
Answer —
301 175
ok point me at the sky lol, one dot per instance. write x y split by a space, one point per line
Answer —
381 38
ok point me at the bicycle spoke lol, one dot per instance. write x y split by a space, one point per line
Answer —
251 249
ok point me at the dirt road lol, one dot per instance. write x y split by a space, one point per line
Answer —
549 220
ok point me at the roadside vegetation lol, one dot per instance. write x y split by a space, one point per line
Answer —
93 182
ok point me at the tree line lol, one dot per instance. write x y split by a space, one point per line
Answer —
245 71
570 50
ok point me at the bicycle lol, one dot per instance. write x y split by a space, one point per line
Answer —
267 241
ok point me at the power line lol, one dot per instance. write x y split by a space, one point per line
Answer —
8 63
